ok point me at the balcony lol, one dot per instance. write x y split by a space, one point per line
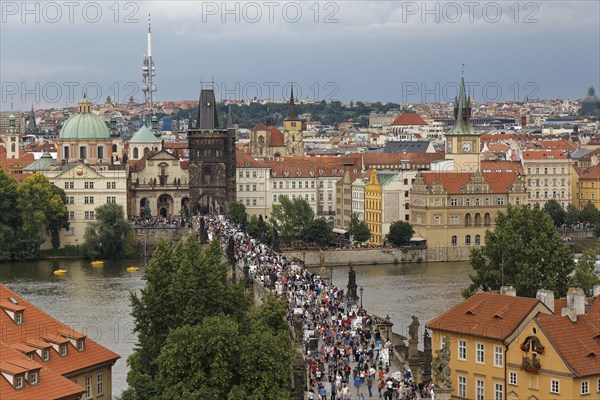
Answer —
530 364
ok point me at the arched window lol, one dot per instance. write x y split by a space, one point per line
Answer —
477 240
66 152
487 219
82 152
477 219
468 240
114 148
454 240
100 152
13 147
136 153
206 174
146 150
468 219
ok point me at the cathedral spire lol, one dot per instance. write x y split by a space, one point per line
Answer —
462 110
207 110
292 114
229 118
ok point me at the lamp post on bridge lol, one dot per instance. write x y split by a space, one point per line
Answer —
361 297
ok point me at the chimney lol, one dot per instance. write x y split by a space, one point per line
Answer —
596 290
575 304
508 291
546 297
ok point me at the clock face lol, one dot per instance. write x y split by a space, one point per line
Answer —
466 147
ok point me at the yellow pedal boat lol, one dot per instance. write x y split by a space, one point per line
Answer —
60 272
97 263
132 269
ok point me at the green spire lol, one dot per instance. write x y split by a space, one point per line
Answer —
462 111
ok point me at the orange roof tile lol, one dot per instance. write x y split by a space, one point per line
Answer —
31 333
276 137
590 172
51 384
408 119
577 342
485 314
543 155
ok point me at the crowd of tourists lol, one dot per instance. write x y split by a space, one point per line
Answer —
346 356
156 222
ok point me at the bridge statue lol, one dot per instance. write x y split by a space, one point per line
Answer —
352 286
440 367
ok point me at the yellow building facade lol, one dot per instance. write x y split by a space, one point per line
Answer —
373 209
586 186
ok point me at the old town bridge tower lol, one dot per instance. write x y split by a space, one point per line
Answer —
212 159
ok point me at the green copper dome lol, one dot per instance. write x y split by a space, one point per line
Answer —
85 125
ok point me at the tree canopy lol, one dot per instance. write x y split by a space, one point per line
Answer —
110 236
556 212
236 211
523 251
198 335
359 230
26 211
291 217
400 233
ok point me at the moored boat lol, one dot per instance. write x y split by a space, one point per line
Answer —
97 263
60 272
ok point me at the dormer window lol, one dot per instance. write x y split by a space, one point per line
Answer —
46 354
63 350
19 318
80 345
34 378
19 382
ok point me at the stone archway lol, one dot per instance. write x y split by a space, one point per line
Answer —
165 205
207 204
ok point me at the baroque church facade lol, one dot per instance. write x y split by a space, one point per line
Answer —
212 159
267 141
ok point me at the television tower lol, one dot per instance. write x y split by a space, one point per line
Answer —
148 72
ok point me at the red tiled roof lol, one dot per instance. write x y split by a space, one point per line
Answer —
577 342
51 384
543 155
408 119
560 144
276 137
589 173
29 333
485 314
453 182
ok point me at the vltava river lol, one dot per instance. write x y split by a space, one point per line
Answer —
95 300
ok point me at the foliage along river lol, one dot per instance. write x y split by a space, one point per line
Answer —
95 300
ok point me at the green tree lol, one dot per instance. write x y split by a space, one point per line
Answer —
585 274
108 236
39 209
317 231
571 216
556 212
9 217
291 216
236 211
400 233
589 214
60 220
523 251
359 230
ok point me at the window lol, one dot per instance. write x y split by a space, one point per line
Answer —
512 378
480 353
462 386
254 188
100 152
80 345
247 188
247 174
585 387
82 152
63 350
111 199
498 391
479 389
254 174
293 184
453 202
477 240
88 185
554 386
70 200
89 215
462 347
498 356
111 185
19 318
33 378
88 200
88 388
45 354
437 219
454 238
71 214
241 188
99 384
454 220
19 382
598 385
241 174
468 240
500 201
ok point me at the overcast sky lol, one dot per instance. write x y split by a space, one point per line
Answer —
397 51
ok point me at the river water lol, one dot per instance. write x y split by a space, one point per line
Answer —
95 300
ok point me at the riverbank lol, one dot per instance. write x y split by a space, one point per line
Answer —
346 257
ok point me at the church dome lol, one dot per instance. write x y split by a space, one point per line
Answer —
85 125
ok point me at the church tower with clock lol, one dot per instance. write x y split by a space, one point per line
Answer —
212 159
462 142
